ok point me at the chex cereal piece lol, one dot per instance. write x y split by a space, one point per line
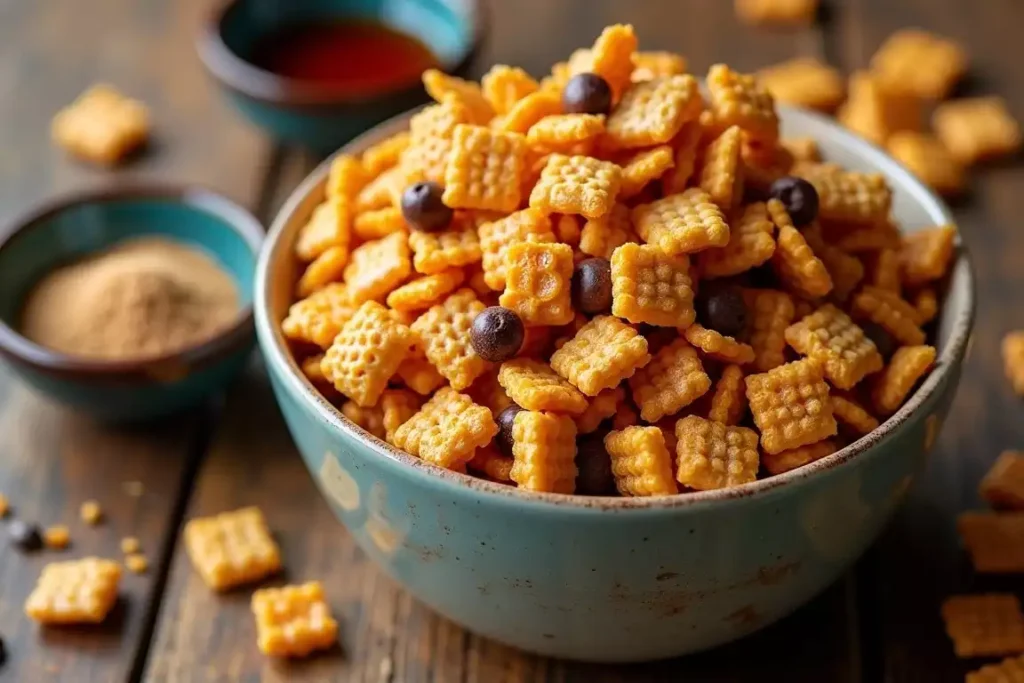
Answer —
977 128
602 354
650 286
771 312
529 110
136 563
538 276
370 418
729 402
795 262
232 548
430 142
830 337
485 169
443 332
643 167
918 63
91 513
995 542
528 225
447 429
891 311
102 125
377 267
329 226
1003 484
682 223
925 254
845 271
719 346
802 148
372 225
562 132
685 146
885 271
366 353
425 291
929 160
672 380
906 367
649 64
505 85
434 252
318 318
533 385
848 195
310 367
711 455
600 408
867 238
492 465
130 545
385 190
780 12
445 88
385 154
74 592
1013 360
641 462
876 112
984 625
804 81
853 416
751 243
419 374
791 405
926 302
544 450
397 406
577 184
568 229
325 268
345 178
1010 670
777 463
652 112
722 174
486 390
611 57
601 236
740 100
292 621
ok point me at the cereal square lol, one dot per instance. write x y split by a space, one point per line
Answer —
1013 360
599 409
925 254
435 252
770 313
848 195
918 63
844 270
906 367
443 332
722 174
891 311
319 317
602 354
837 343
685 147
1003 485
1010 670
370 419
445 88
672 380
326 268
366 353
544 450
386 189
876 112
751 243
492 465
977 128
777 12
74 592
385 154
650 286
505 85
563 132
641 462
601 236
529 110
577 184
232 548
533 385
377 267
419 374
430 139
397 407
372 225
292 621
329 226
791 406
447 430
102 126
806 82
538 277
729 402
719 346
682 223
528 225
984 625
652 112
711 455
853 416
650 64
644 167
929 160
739 100
426 291
995 541
777 463
345 178
611 57
485 169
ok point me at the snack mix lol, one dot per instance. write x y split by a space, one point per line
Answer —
606 281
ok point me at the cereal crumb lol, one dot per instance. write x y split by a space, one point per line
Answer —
57 537
91 513
5 506
130 545
136 563
135 489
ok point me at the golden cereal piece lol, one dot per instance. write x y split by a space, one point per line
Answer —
719 346
641 463
918 63
611 57
136 563
1009 670
492 465
1013 360
906 367
74 592
777 463
372 225
486 390
791 406
995 542
797 265
838 344
503 86
625 416
562 132
430 139
806 82
444 88
1003 485
420 375
345 178
443 332
771 312
853 416
435 252
5 506
650 286
568 229
385 154
929 160
130 545
602 354
867 238
318 318
57 537
447 429
739 100
711 455
577 184
977 128
102 126
426 291
802 148
377 267
600 408
232 548
751 243
293 621
329 226
684 146
644 167
397 407
544 450
890 311
729 402
845 271
386 189
652 112
672 380
849 196
602 236
876 112
984 625
485 169
926 302
529 110
682 223
371 418
885 271
538 276
648 65
91 513
533 385
722 174
366 353
777 12
925 255
528 225
326 268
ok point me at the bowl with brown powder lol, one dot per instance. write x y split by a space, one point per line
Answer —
129 304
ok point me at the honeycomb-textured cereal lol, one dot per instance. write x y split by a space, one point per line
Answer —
533 385
419 374
577 184
777 463
232 548
925 255
377 267
1003 484
977 128
443 331
599 409
711 455
1010 670
602 354
372 225
430 142
641 462
485 169
844 270
751 243
876 112
806 82
719 346
685 146
601 236
799 269
739 100
830 337
102 126
292 621
984 625
503 86
722 174
891 311
563 132
770 312
791 406
544 450
74 592
652 112
672 380
326 268
446 88
918 63
928 159
318 318
682 223
729 401
1013 360
345 178
853 416
644 167
328 226
447 429
397 406
424 292
385 154
849 195
366 353
650 286
528 225
905 368
537 284
370 418
885 271
434 252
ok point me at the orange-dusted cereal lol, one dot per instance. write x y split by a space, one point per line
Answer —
644 167
600 408
447 429
777 12
562 132
848 195
719 346
528 225
1003 484
918 63
641 463
845 271
318 318
601 236
445 88
868 238
906 367
739 100
568 229
682 223
435 252
577 184
711 455
977 128
345 178
751 243
397 407
925 255
533 385
891 311
722 174
771 312
74 592
984 625
828 336
650 286
672 380
806 82
651 64
326 268
504 85
853 416
425 291
625 416
329 226
232 548
430 142
529 110
791 406
1009 670
102 126
385 154
492 465
544 450
485 169
995 541
729 402
876 112
443 332
372 225
1013 360
370 418
602 354
777 463
799 269
685 147
385 190
377 267
366 353
57 537
929 160
926 303
885 271
537 282
611 57
292 621
652 112
486 391
419 374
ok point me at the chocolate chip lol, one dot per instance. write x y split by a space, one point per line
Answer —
423 209
25 536
594 466
497 334
881 337
799 197
587 93
722 309
592 286
506 420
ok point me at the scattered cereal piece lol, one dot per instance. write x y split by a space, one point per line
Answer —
712 455
652 112
373 225
102 126
529 110
729 402
682 223
672 380
772 312
650 286
907 366
91 512
544 449
853 416
438 251
493 465
136 563
445 88
1009 670
890 311
503 86
795 262
868 238
533 385
845 271
722 174
293 621
806 82
926 254
1013 360
876 112
779 12
918 63
849 196
777 463
57 537
130 545
719 346
641 463
751 243
611 58
929 160
537 285
385 154
601 236
366 353
1003 485
5 507
325 269
885 271
329 226
444 333
318 318
345 178
791 406
447 429
425 291
602 354
643 167
74 592
685 147
984 625
430 142
485 169
377 267
577 184
528 225
232 548
370 418
600 408
837 343
739 100
977 128
562 132
995 542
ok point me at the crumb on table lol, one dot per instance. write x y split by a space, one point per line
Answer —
91 512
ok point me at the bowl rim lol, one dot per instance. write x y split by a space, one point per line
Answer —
274 347
249 80
18 347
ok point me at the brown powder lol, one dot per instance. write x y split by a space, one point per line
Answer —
144 297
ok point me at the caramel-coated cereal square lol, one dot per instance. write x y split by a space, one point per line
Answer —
434 252
729 401
505 85
599 409
673 379
366 353
345 178
611 57
777 463
424 292
722 174
925 254
891 311
419 374
716 345
430 139
711 455
563 132
1003 485
319 317
770 313
685 148
445 88
1013 360
330 225
397 407
533 385
232 548
74 592
929 160
740 100
848 195
641 462
796 264
326 268
447 429
844 270
995 541
377 267
650 286
791 406
443 332
544 450
601 236
602 354
644 167
831 338
652 112
292 621
102 126
751 243
918 63
485 169
853 416
906 367
682 223
806 82
984 625
528 225
1010 670
977 128
577 184
537 285
777 12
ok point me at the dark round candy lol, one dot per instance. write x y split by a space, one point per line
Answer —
25 536
592 286
722 309
593 466
587 93
506 420
881 337
799 197
423 209
497 334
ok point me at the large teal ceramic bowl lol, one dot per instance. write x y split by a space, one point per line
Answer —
80 225
613 579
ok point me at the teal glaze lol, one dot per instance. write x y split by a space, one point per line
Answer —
613 579
128 391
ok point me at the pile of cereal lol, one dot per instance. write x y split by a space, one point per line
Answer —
602 281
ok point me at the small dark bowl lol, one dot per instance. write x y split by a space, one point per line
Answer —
74 227
317 115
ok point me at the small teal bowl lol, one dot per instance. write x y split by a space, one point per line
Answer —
615 579
319 116
123 391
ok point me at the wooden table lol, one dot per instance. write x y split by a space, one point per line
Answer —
880 623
